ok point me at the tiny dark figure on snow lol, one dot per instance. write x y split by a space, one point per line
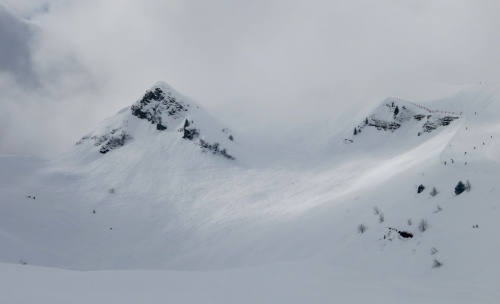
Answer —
93 211
445 163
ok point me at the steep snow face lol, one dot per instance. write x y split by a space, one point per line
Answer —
160 110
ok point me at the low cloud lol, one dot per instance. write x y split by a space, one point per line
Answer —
65 65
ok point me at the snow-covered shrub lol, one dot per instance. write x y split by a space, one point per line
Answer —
438 208
381 218
467 186
423 225
436 264
409 221
433 250
111 190
434 191
376 210
362 228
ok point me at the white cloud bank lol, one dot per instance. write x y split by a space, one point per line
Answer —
66 65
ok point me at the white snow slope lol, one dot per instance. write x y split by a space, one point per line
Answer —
178 221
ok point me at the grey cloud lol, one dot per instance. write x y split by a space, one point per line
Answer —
15 47
256 64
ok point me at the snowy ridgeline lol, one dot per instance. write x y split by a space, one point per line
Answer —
393 217
394 113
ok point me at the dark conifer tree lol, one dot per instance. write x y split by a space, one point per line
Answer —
420 188
459 188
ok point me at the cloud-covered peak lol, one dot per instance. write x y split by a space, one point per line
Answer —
161 111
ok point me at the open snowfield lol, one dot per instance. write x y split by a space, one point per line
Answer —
178 223
277 283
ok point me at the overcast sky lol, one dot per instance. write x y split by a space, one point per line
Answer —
65 65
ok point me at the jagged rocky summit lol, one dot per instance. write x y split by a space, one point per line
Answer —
394 113
166 110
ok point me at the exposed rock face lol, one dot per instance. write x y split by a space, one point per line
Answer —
190 133
433 124
109 141
383 125
383 120
393 114
156 104
115 141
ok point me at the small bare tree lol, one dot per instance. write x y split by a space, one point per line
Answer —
434 191
467 186
362 228
438 209
381 218
433 250
409 221
376 210
437 264
423 225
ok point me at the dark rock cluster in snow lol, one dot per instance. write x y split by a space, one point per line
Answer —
391 116
215 149
189 133
115 141
154 104
433 124
107 142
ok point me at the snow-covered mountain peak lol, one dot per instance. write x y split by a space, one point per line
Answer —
394 114
161 105
161 111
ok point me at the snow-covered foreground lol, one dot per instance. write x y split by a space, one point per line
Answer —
277 283
276 224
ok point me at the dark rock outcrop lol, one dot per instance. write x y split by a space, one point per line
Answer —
190 134
215 149
154 104
114 141
433 124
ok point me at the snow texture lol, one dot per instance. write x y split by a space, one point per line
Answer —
277 224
